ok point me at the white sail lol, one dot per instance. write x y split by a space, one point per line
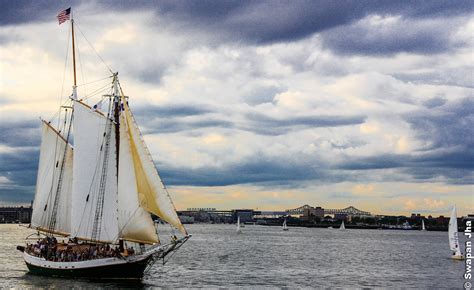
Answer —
238 224
89 169
50 162
453 233
153 195
423 225
135 224
342 227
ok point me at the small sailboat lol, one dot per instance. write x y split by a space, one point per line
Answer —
97 188
239 230
453 236
406 226
423 225
285 227
342 227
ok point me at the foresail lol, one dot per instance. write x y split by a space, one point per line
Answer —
135 224
152 193
51 157
94 199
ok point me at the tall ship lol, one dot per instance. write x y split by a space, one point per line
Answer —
97 189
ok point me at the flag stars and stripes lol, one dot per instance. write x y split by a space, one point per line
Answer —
64 15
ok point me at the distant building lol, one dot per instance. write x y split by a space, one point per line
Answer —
13 214
206 215
201 209
246 215
340 216
311 213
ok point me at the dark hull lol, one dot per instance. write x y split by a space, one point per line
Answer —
132 270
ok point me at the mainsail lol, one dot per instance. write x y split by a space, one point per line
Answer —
453 233
52 152
94 190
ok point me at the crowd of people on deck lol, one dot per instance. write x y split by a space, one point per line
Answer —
49 249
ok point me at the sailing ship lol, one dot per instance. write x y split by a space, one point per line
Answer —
97 188
239 230
453 236
285 227
342 227
423 225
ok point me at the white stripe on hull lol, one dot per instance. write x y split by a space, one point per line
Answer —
41 262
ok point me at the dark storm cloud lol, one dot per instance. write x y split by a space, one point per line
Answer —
258 169
152 74
460 76
446 127
151 111
275 21
14 194
160 125
373 162
266 125
253 21
253 122
23 11
434 102
447 132
261 94
365 39
20 134
20 167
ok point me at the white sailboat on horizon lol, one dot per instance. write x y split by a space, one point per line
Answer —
453 236
285 227
423 225
342 227
239 229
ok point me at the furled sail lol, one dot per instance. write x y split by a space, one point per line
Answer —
135 224
94 189
453 232
51 158
152 193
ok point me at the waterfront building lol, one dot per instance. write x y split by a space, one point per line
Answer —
15 214
312 213
246 215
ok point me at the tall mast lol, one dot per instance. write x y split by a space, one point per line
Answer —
74 92
117 108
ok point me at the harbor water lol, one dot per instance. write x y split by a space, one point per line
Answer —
217 256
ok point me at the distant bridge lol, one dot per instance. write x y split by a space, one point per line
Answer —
299 210
347 211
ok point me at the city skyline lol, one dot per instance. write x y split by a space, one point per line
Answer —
270 105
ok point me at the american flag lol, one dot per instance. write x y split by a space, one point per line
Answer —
64 15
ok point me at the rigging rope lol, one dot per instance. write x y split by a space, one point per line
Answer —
98 55
81 67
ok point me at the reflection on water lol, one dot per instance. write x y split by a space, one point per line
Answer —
217 256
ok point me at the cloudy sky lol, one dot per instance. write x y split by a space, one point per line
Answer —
260 104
